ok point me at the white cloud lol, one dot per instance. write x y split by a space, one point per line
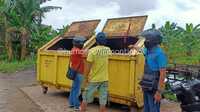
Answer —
75 11
159 11
177 11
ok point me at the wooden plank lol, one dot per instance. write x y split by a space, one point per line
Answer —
89 43
139 44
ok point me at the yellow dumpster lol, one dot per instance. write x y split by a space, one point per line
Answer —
125 70
53 58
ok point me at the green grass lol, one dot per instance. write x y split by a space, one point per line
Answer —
170 96
14 66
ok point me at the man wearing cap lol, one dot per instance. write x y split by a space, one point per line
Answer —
76 62
97 60
154 72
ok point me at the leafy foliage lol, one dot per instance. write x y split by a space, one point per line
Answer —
20 20
181 44
45 34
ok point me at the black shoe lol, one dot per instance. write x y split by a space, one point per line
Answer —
77 109
70 106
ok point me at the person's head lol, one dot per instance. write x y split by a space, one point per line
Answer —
78 41
152 38
101 38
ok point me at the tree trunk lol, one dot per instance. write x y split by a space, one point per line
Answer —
8 42
24 42
2 40
8 45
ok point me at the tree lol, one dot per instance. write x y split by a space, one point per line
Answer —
171 40
24 17
181 44
6 7
45 34
190 38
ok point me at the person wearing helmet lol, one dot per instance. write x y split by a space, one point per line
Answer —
155 69
76 63
97 73
154 72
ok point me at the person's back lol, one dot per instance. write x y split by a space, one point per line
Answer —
99 57
77 64
97 60
77 60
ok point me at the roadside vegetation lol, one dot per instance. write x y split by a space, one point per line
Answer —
182 43
22 32
16 65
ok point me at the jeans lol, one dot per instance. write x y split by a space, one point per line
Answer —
75 91
149 103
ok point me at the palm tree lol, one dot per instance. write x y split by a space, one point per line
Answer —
30 14
5 9
24 17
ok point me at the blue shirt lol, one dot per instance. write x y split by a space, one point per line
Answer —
155 58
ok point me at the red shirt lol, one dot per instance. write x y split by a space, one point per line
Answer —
77 60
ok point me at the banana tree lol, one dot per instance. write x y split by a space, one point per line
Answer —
171 40
6 7
31 14
191 38
24 19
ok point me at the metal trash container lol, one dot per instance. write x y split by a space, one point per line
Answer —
125 70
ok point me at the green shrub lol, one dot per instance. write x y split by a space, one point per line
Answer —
14 66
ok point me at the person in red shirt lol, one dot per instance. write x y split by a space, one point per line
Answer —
76 63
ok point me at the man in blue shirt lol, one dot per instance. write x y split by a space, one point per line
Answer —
155 64
155 70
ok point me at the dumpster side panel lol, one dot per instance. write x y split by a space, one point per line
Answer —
38 66
138 76
63 62
47 69
121 76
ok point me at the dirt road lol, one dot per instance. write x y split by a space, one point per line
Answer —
11 98
14 99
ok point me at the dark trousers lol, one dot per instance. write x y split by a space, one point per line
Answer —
149 103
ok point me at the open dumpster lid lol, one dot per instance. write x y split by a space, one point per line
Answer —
128 26
82 28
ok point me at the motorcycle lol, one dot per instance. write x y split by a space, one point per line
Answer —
188 94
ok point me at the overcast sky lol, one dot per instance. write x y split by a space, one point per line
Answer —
158 11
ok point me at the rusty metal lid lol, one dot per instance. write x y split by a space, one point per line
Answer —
128 26
82 28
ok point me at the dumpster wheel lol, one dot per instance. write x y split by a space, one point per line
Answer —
44 89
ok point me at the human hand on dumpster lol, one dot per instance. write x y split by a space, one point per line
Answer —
157 97
134 47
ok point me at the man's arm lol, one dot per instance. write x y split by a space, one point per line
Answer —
89 63
161 85
88 68
162 60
